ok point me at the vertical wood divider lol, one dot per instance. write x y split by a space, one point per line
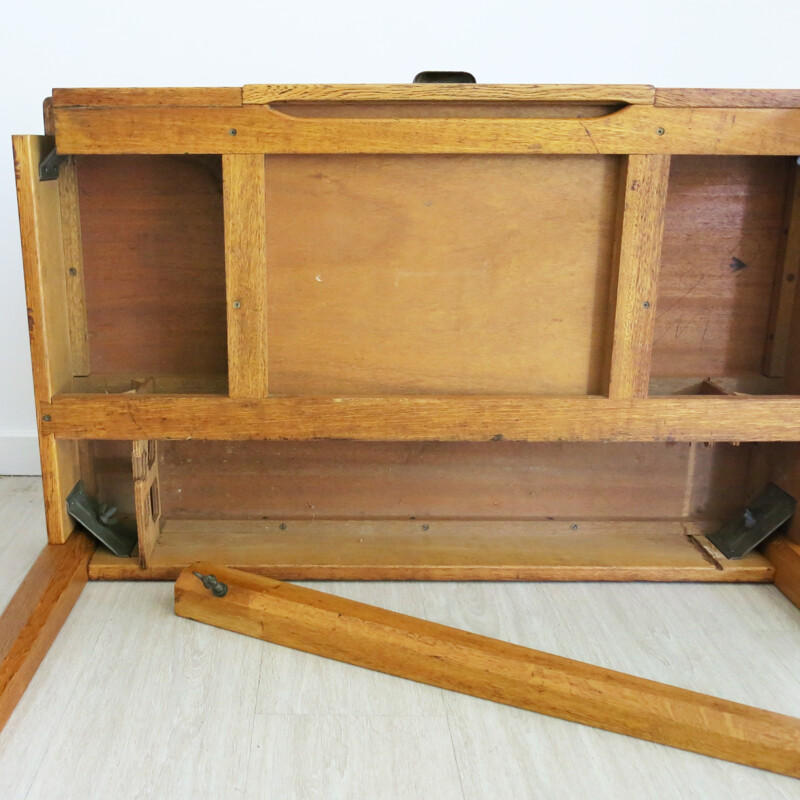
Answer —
48 320
785 287
246 273
635 283
73 264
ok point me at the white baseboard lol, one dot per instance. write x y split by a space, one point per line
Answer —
19 454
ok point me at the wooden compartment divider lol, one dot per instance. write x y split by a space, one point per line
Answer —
147 497
785 291
246 274
634 287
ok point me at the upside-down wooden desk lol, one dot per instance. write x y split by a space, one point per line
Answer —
423 331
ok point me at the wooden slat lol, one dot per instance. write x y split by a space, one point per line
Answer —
541 550
457 660
785 290
261 129
728 98
146 497
180 97
36 613
260 94
636 282
784 555
246 274
707 419
48 319
73 263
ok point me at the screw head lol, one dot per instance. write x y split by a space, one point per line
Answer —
73 271
232 131
425 527
660 131
47 418
237 304
646 304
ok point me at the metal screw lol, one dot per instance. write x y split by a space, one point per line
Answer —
47 418
73 271
107 514
646 304
218 588
573 527
237 304
232 131
282 526
660 131
425 527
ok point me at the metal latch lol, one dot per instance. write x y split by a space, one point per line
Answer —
100 520
771 509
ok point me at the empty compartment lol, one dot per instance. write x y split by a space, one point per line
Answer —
489 510
154 272
722 276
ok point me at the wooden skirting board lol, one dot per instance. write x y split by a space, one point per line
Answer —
460 661
561 550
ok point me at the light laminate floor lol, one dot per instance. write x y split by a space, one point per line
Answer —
133 702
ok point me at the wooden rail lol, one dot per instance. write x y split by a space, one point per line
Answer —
422 418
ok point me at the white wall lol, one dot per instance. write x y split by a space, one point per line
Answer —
146 43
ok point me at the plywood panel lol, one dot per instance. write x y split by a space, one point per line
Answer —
721 241
438 274
154 264
362 480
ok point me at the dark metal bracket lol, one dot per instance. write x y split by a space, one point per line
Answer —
771 509
100 520
48 168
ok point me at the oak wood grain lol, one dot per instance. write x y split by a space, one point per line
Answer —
634 129
420 418
246 274
36 612
728 98
374 638
260 94
73 264
48 318
635 284
174 97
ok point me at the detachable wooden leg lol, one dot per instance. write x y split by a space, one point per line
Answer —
382 640
36 613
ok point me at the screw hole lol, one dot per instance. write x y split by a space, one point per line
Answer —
660 131
646 304
73 271
232 131
237 304
47 418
